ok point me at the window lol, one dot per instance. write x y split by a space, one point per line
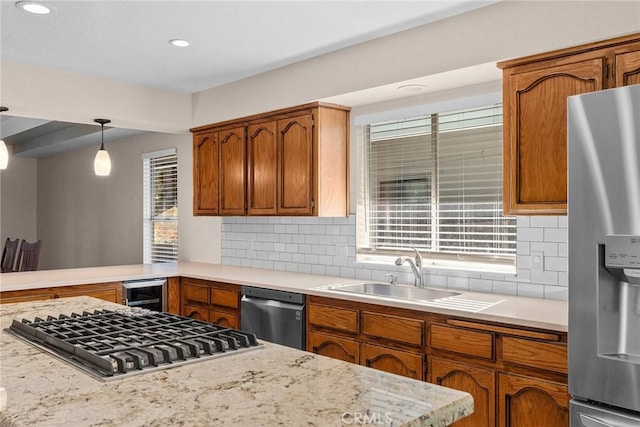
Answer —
160 206
435 183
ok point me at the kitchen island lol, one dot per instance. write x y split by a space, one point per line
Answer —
272 386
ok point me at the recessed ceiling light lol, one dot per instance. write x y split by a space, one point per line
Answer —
412 88
179 42
33 7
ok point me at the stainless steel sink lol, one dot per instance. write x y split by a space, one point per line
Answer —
396 291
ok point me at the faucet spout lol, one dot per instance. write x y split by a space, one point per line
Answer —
416 267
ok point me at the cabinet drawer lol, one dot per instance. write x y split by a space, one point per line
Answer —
197 293
536 354
463 341
395 328
341 319
224 298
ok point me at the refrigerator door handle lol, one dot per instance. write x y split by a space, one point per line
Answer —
589 421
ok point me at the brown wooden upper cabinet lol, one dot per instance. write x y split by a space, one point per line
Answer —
287 162
535 91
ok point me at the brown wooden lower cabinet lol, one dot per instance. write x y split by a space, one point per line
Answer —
394 361
211 301
479 382
333 346
531 402
111 291
224 318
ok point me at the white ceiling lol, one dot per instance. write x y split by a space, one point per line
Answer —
128 41
230 40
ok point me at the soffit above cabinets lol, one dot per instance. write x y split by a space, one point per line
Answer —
35 138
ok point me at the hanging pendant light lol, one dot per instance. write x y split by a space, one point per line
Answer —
4 153
102 163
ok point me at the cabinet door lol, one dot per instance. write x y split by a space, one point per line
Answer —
232 171
332 346
263 169
628 69
205 174
224 318
295 165
535 134
394 361
524 402
197 313
480 383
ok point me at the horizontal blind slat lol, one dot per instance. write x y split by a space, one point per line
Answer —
440 191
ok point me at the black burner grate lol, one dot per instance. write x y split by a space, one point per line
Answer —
111 344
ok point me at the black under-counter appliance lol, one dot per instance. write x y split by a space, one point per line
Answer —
146 293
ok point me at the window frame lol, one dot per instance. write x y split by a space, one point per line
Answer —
149 250
484 263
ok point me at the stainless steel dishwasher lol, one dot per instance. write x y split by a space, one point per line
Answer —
274 316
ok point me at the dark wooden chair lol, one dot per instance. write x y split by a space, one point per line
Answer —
28 256
9 255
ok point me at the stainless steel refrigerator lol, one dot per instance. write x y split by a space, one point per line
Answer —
604 257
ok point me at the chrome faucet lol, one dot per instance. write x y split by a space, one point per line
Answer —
416 266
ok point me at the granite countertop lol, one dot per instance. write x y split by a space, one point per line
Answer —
273 386
518 311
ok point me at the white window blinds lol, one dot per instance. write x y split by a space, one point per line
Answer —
435 183
160 206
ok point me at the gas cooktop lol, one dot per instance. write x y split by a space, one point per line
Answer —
114 344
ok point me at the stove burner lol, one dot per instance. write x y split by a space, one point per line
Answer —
112 344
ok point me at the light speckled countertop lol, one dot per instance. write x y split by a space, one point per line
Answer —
519 311
273 386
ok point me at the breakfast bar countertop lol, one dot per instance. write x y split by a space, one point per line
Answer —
272 386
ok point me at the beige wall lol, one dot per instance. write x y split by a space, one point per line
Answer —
18 200
85 220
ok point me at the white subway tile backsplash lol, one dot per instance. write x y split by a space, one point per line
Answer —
563 278
458 283
549 249
544 277
327 246
332 270
480 285
528 290
543 221
555 263
559 235
530 234
305 268
523 261
505 288
318 269
523 248
563 249
556 292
